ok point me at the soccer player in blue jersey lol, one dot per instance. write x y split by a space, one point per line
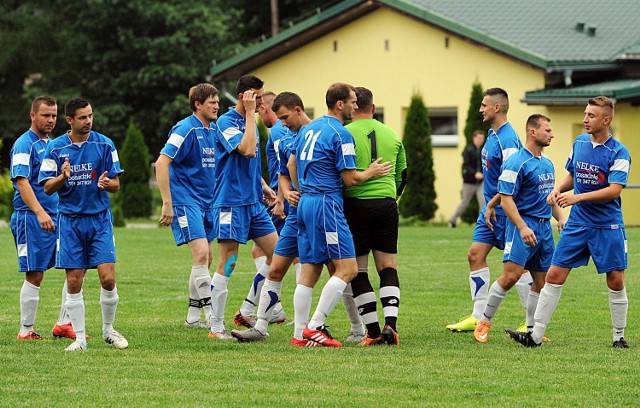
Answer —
324 159
239 214
34 218
501 143
598 171
289 107
185 171
527 178
83 167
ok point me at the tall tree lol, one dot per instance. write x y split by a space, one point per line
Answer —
135 190
418 199
474 122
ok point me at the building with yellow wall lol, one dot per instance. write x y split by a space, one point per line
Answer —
438 49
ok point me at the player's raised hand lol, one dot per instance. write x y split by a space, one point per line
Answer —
380 169
103 181
249 101
66 169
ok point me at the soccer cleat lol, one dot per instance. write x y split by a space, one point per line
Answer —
466 324
77 345
523 328
221 335
523 338
198 324
368 341
481 333
390 336
249 335
65 331
355 337
321 335
114 338
304 343
244 321
621 344
278 316
32 335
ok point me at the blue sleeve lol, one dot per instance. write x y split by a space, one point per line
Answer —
619 170
345 151
21 159
229 134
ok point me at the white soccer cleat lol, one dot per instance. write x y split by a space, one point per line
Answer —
355 337
77 345
116 339
198 324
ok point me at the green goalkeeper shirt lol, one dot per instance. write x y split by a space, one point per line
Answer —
375 139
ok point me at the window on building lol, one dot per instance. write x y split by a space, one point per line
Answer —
379 115
444 127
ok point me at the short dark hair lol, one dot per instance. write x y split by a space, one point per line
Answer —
365 98
42 100
200 93
247 82
603 102
502 97
73 104
338 92
533 122
287 99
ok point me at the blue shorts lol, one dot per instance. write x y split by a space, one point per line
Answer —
287 245
323 232
483 234
242 223
607 248
537 258
36 247
85 242
190 222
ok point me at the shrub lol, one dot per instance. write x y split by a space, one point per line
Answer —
135 190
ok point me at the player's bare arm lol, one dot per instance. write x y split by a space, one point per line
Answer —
376 169
55 184
112 185
511 210
605 194
162 177
29 197
247 146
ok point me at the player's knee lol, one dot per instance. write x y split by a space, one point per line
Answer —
34 278
109 283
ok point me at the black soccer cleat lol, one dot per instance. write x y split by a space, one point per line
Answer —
523 338
621 344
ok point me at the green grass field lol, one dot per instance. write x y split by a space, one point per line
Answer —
169 365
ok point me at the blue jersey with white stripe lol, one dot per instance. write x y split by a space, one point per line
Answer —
324 148
80 194
276 133
529 180
594 167
498 147
286 148
192 172
238 178
26 158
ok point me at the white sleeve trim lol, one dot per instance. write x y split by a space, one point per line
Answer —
20 159
49 165
620 165
506 153
348 149
509 176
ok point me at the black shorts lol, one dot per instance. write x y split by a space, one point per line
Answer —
373 224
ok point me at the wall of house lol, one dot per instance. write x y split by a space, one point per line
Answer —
395 56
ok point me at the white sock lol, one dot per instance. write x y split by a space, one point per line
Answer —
532 304
302 298
494 300
298 268
523 286
248 307
352 310
75 308
29 298
199 293
259 261
63 317
549 298
330 295
109 303
269 297
219 294
479 284
618 305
